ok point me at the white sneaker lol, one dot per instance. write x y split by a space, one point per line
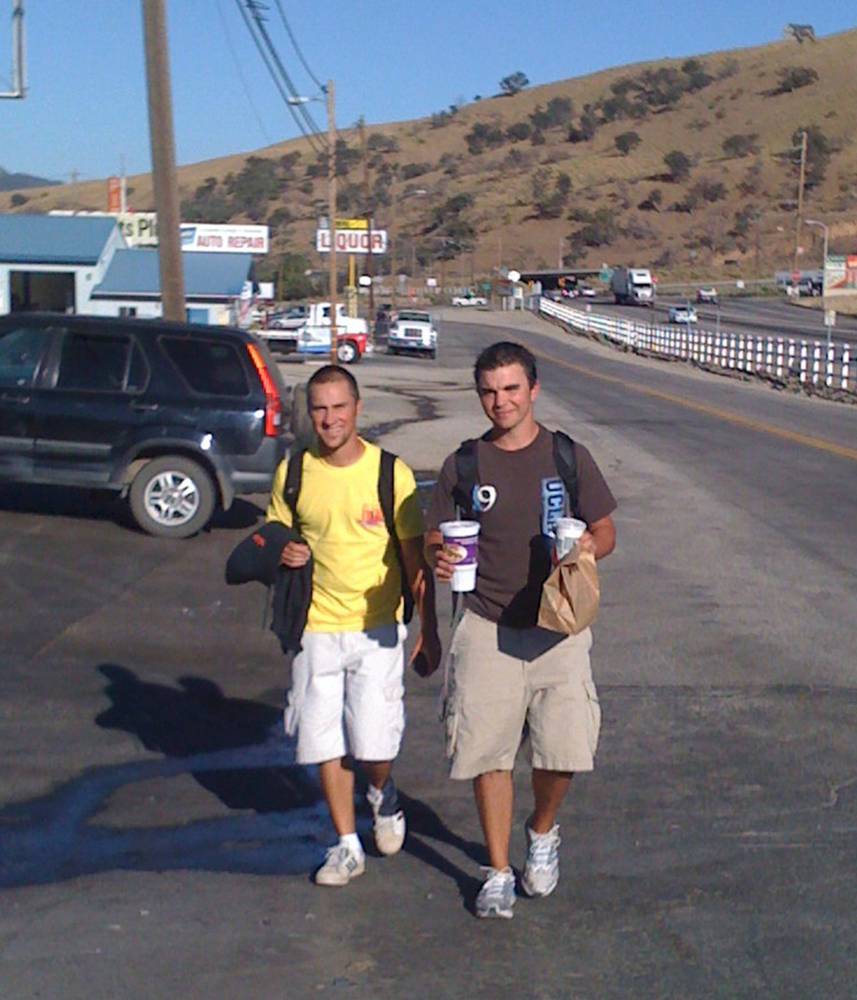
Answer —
388 823
340 866
541 871
497 895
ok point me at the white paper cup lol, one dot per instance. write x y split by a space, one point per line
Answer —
462 538
567 530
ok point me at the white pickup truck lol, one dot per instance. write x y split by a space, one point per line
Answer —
310 333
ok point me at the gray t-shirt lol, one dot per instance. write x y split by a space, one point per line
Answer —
514 547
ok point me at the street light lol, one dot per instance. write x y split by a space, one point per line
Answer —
331 199
826 229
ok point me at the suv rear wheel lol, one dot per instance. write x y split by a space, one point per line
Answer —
172 497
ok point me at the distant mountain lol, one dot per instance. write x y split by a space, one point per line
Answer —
14 182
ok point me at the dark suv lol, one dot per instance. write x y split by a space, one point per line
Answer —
178 418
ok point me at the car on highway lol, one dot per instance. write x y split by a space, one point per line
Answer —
413 333
809 287
682 314
176 418
469 299
707 295
586 291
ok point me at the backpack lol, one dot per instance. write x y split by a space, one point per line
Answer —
386 472
467 474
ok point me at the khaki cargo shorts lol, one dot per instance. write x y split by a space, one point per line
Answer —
504 681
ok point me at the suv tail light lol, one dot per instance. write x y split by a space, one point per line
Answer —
273 403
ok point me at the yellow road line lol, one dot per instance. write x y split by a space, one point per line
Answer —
712 411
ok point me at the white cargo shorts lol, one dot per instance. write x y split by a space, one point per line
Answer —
347 695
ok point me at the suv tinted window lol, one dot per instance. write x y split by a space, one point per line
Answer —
94 363
21 350
208 366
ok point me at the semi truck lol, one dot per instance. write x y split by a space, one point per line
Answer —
632 285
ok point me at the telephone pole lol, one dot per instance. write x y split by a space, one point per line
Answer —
800 196
367 199
163 146
331 209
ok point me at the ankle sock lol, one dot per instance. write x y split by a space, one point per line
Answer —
352 842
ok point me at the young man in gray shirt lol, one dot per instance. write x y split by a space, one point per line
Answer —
507 674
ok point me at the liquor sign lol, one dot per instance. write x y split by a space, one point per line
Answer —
352 241
211 238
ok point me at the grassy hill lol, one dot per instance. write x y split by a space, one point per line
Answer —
527 179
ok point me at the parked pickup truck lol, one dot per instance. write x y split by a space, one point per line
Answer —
469 299
306 330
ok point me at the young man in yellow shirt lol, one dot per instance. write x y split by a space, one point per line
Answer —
347 681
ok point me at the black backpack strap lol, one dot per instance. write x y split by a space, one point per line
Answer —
565 459
292 485
466 478
386 497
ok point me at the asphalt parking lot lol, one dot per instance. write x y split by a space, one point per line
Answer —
157 837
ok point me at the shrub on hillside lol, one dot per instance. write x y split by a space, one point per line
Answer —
380 143
626 142
706 189
558 112
518 131
601 230
739 146
18 199
482 137
793 78
280 218
652 202
678 164
208 204
411 170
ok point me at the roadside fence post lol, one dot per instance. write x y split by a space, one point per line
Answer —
804 359
844 369
816 362
831 353
779 357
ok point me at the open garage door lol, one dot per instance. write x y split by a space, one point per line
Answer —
42 291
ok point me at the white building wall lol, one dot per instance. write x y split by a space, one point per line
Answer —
219 314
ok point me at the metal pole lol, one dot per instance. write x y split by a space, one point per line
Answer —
19 82
331 210
163 160
370 222
393 236
800 196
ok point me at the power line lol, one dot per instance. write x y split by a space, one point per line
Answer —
297 48
241 77
250 17
255 7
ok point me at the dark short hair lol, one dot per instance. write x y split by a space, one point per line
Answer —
332 373
503 353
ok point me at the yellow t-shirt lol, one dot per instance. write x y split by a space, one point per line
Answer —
356 583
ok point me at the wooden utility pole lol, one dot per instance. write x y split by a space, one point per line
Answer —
367 201
800 185
331 210
163 146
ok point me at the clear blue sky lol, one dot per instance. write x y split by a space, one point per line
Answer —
391 60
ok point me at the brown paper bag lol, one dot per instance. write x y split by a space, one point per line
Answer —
571 594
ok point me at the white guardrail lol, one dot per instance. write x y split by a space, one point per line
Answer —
809 361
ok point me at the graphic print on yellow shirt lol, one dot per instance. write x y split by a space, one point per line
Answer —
356 583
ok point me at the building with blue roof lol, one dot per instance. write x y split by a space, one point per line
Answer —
213 284
52 262
82 264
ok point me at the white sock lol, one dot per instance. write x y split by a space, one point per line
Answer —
352 842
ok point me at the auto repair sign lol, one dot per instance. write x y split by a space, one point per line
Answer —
224 239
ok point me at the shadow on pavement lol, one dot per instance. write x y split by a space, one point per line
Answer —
237 751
